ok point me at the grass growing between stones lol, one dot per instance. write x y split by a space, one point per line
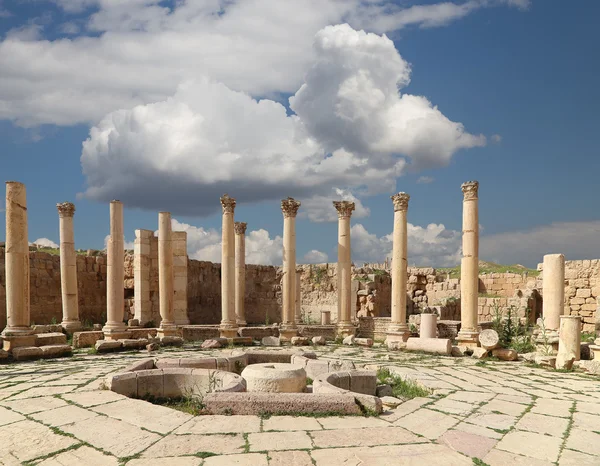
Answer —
401 388
190 405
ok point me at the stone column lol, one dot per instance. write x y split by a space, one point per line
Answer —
240 272
398 328
553 290
344 272
298 297
469 273
115 328
180 277
141 275
228 327
289 207
569 341
165 276
68 268
17 331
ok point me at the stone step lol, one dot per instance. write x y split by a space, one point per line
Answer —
56 351
23 353
54 338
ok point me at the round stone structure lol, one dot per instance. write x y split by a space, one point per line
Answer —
275 378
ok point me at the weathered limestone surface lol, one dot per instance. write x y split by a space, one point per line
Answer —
289 207
430 345
399 264
553 290
428 328
569 342
344 209
228 326
180 277
165 275
68 267
240 272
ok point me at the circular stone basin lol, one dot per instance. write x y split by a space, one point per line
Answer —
275 378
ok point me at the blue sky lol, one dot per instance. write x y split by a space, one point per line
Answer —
527 75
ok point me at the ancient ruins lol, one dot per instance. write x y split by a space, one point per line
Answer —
386 360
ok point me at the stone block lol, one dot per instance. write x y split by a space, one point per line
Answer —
349 340
200 333
505 354
150 382
258 332
178 382
583 293
384 390
130 343
171 341
24 353
86 339
3 354
105 346
479 353
319 340
364 341
124 383
300 341
10 343
271 341
56 351
211 344
430 345
152 347
364 382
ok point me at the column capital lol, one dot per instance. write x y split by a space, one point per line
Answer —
240 228
344 208
289 207
470 190
66 209
400 201
228 204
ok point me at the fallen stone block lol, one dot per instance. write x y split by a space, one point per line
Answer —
320 340
270 341
479 353
24 353
171 341
300 341
395 345
152 347
211 344
240 341
258 333
430 345
349 340
546 361
489 339
564 360
364 342
57 338
134 344
383 390
86 339
56 351
505 354
391 401
457 351
199 333
106 346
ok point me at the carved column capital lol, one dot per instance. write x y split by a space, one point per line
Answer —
344 208
470 190
228 204
400 201
289 207
240 228
66 209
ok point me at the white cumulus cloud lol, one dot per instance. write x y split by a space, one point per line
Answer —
320 208
315 257
45 243
352 129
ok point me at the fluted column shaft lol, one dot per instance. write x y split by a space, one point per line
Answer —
68 267
228 324
17 261
240 272
469 274
115 274
399 263
344 272
165 272
289 207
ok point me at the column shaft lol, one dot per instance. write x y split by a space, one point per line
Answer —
228 324
399 264
289 207
68 268
240 272
469 276
298 297
141 275
344 271
180 277
553 290
165 274
17 262
115 275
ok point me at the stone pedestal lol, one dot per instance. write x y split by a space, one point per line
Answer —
165 277
228 327
115 328
325 317
68 268
180 277
240 272
469 273
141 275
569 338
288 329
17 332
553 290
428 328
399 266
344 324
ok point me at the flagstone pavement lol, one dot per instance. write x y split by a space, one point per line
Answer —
495 413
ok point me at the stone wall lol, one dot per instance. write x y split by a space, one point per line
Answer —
582 292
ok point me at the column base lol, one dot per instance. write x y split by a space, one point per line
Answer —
11 342
400 336
167 331
287 332
228 330
241 323
70 326
115 331
345 329
468 339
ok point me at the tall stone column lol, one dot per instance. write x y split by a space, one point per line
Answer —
180 277
141 275
553 290
165 276
344 272
115 328
17 331
228 327
289 207
469 273
240 272
298 297
68 268
398 328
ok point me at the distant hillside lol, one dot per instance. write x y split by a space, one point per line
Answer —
491 267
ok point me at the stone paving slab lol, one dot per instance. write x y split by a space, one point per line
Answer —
288 423
88 399
541 424
220 425
8 417
172 461
542 447
246 459
428 423
553 407
63 415
33 405
363 437
504 458
584 441
82 455
469 444
576 458
351 422
192 444
279 441
289 458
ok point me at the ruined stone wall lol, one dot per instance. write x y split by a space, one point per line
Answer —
582 292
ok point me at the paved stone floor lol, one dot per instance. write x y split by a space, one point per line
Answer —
55 413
